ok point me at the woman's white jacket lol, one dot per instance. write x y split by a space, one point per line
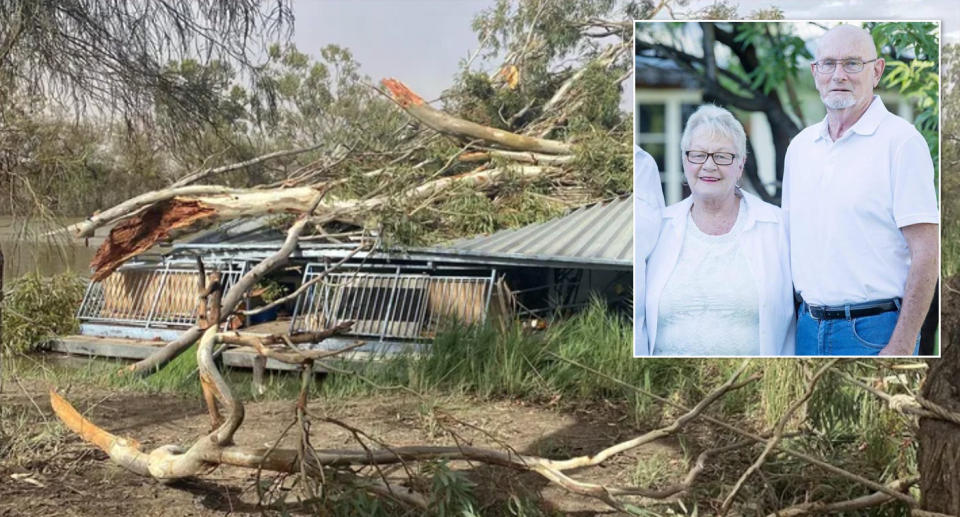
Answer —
764 243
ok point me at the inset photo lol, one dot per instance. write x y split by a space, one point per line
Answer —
786 187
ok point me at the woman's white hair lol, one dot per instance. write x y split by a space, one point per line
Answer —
716 121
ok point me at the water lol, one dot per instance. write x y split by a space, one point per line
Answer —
26 249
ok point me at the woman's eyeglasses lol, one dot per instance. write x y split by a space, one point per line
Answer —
699 157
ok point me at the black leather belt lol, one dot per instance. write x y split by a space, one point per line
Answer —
854 310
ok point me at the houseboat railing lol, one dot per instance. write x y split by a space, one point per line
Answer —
151 295
391 305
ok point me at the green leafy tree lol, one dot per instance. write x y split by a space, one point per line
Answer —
911 51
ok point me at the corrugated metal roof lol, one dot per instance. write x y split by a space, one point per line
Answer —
243 230
601 234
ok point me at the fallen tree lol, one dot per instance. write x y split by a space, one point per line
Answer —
145 220
180 210
523 164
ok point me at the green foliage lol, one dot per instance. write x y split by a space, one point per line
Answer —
464 212
39 308
545 43
528 204
654 469
270 290
54 167
848 418
782 383
718 10
451 493
769 13
778 51
512 362
554 27
912 54
347 500
607 169
599 102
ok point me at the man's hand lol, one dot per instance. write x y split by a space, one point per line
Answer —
921 280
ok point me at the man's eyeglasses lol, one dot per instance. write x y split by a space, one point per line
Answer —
850 66
699 157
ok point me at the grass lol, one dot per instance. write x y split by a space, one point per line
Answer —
849 427
656 469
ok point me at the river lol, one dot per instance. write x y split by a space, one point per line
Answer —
26 249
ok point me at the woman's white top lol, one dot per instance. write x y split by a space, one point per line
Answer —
710 288
763 246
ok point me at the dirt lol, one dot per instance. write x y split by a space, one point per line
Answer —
61 475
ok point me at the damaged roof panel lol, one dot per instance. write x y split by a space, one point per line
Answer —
597 235
602 232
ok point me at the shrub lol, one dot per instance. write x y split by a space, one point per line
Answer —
39 308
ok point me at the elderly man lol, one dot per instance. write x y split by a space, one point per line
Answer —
647 206
862 214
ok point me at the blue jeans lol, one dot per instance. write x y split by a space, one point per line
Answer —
866 335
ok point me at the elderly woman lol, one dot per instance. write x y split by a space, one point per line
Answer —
718 280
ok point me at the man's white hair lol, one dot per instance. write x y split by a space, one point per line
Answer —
716 121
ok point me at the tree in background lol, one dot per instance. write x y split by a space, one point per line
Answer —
939 440
112 54
81 83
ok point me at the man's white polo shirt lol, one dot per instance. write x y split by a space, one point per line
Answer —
845 202
647 206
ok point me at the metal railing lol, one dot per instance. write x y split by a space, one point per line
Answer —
151 295
394 305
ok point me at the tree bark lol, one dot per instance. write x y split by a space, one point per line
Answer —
938 459
230 301
461 128
1 321
172 462
179 214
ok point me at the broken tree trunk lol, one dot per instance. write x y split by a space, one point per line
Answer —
230 301
87 227
458 127
176 213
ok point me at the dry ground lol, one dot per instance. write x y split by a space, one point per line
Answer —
54 473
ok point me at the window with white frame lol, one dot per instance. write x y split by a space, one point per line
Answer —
660 116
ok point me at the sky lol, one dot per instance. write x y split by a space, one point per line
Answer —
421 42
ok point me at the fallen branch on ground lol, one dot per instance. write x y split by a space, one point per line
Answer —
777 435
859 503
779 447
171 462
